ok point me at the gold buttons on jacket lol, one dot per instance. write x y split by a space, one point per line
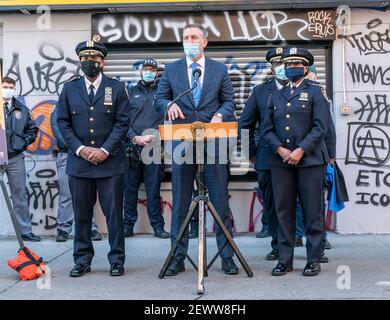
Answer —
287 128
92 142
288 140
91 108
288 104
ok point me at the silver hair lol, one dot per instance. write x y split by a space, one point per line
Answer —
199 26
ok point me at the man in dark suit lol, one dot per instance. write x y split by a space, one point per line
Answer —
254 113
211 101
295 128
93 117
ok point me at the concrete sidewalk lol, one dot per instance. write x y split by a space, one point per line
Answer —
367 256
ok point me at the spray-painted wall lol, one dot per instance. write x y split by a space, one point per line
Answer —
41 60
364 134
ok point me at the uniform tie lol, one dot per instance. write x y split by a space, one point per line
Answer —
91 92
198 90
293 88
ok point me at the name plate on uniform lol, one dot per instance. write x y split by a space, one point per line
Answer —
108 96
304 96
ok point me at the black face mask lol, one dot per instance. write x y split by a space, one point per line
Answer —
90 68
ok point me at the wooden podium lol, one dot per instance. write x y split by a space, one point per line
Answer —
199 131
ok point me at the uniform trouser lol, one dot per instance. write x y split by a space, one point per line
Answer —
65 215
150 174
269 214
307 184
84 193
216 180
300 221
16 174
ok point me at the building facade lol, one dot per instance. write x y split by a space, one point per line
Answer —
351 48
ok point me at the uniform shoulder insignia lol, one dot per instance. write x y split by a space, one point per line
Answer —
323 91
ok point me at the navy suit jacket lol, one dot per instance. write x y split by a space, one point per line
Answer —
254 113
217 92
298 120
94 125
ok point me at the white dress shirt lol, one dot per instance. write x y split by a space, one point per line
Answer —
201 65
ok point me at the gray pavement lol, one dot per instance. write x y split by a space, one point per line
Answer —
366 256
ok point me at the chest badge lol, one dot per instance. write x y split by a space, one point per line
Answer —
18 114
108 96
304 96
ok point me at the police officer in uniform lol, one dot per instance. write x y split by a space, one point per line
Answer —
143 116
295 128
93 117
254 113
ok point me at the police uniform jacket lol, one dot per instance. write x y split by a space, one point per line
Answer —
297 120
103 123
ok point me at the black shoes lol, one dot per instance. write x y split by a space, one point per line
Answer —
79 270
312 269
281 269
273 255
263 233
299 242
327 245
129 232
175 267
117 270
62 236
31 237
324 258
161 233
96 236
228 266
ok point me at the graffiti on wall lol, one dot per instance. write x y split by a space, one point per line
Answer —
368 144
46 74
222 26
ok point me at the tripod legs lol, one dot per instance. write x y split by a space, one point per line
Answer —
202 264
178 239
202 259
229 239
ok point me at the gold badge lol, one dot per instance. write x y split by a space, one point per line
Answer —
293 51
18 114
279 50
96 37
90 44
108 96
304 96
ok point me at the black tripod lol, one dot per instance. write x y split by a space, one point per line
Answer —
202 200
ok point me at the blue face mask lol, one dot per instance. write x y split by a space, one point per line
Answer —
280 72
148 76
191 50
295 73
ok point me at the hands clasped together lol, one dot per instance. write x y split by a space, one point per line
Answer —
93 155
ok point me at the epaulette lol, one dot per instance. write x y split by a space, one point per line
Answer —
73 78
